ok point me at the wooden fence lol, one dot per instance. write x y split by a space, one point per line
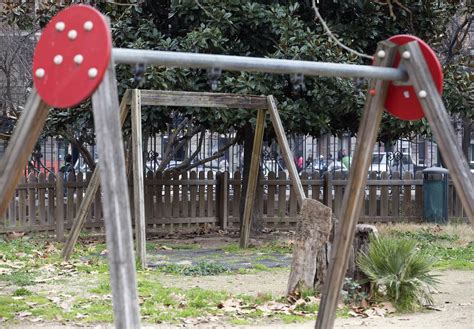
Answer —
46 203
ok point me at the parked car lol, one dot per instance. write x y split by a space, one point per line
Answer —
392 162
318 168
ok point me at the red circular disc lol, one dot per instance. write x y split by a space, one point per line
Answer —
402 101
72 56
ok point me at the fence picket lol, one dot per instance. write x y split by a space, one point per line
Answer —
271 196
32 200
51 215
185 196
384 196
42 199
419 196
167 196
202 201
79 191
282 206
210 195
193 194
407 203
373 196
338 193
70 206
396 195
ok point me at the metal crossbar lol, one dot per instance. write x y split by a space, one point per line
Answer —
255 64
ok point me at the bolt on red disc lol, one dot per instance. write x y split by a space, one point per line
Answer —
72 56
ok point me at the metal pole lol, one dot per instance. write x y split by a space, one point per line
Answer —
254 64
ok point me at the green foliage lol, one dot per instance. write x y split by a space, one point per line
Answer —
285 30
352 292
22 292
200 269
397 269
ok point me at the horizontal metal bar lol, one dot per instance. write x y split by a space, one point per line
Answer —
254 64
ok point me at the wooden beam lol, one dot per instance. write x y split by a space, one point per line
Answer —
285 149
354 192
138 183
440 123
253 179
20 146
89 197
199 99
116 203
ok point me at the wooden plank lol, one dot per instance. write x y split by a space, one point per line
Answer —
20 146
116 205
338 194
407 203
384 196
395 196
176 191
184 195
200 99
285 150
316 189
32 201
222 196
70 205
253 179
210 195
202 201
441 126
41 200
271 196
79 191
327 189
12 213
59 207
293 203
304 182
354 192
167 196
282 205
22 204
193 195
373 196
50 218
92 193
154 198
138 180
237 189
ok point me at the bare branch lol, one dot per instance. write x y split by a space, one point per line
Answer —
332 36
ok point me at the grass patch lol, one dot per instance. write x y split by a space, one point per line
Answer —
22 292
267 248
19 278
451 245
200 269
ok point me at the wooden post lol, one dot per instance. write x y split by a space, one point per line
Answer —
138 183
439 121
59 207
116 203
253 179
354 191
20 146
223 198
91 192
285 149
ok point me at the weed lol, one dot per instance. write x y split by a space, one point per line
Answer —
22 292
352 292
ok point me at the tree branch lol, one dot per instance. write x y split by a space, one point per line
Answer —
332 36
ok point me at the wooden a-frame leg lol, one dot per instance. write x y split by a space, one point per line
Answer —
20 146
354 192
285 149
116 203
89 197
138 183
440 123
253 179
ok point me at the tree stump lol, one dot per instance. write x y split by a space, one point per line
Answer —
360 243
312 233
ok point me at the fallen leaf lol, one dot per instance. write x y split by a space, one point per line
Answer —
164 248
31 304
80 316
388 307
37 319
15 235
18 297
23 314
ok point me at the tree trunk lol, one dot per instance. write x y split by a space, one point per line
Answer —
312 233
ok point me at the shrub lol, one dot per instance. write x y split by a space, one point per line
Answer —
398 270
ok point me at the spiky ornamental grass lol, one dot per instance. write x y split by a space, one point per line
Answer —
398 270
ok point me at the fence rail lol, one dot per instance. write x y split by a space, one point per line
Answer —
187 201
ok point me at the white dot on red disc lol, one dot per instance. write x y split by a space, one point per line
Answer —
58 59
60 26
92 72
72 34
40 73
88 26
78 59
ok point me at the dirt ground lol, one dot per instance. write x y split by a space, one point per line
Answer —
453 308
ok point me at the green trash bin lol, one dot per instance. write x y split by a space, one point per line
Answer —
435 195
